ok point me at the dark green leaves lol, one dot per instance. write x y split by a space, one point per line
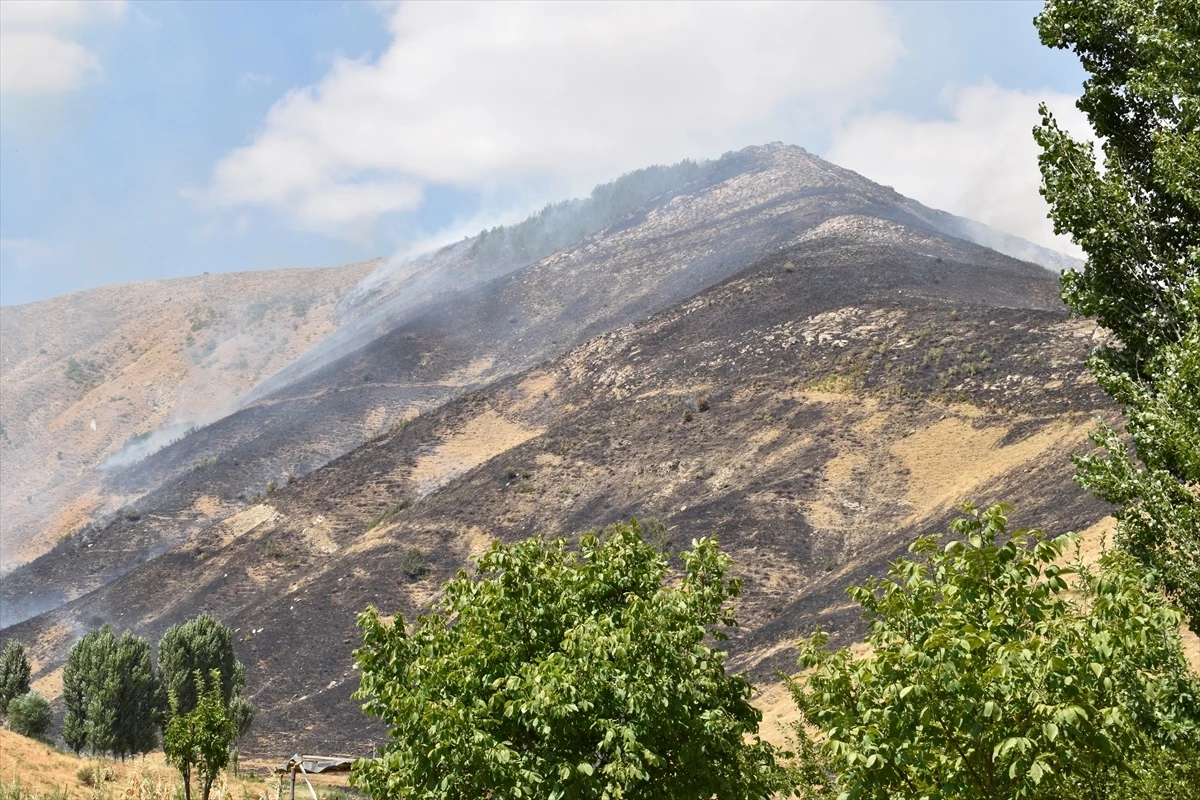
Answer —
111 694
14 674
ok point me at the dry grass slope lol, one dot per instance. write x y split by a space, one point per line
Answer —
87 373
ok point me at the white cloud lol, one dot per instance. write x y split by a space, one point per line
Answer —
493 95
39 51
981 163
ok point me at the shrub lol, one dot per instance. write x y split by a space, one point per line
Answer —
414 563
29 715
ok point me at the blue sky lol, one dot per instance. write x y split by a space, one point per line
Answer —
152 140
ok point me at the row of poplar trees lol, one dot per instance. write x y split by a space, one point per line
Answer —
117 701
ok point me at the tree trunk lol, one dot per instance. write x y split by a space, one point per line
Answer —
187 784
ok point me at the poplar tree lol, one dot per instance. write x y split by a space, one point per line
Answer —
138 700
14 674
1137 216
202 645
112 695
89 692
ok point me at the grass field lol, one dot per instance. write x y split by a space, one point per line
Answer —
33 770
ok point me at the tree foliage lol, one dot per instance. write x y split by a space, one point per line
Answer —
112 695
138 697
990 676
14 674
29 715
198 741
563 674
1138 219
201 645
88 692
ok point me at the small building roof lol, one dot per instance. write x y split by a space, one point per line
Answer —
316 764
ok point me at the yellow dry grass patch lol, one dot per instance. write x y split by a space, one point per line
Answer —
471 372
374 420
243 522
43 771
947 460
207 505
68 517
537 387
826 513
319 535
47 642
482 438
78 512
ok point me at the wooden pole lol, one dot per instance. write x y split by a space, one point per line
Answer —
306 780
293 794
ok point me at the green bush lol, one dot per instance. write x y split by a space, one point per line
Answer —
29 715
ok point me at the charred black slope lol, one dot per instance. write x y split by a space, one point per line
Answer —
714 222
816 411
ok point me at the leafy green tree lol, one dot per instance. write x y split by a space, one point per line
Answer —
138 697
112 695
201 645
90 692
198 742
563 674
1138 219
14 674
29 715
990 676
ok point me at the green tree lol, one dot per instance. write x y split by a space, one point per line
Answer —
564 674
14 674
201 645
29 715
197 742
138 697
990 676
1138 220
90 691
112 695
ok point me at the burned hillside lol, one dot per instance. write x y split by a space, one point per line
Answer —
815 411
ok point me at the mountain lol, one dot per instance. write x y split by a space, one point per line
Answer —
766 346
95 379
